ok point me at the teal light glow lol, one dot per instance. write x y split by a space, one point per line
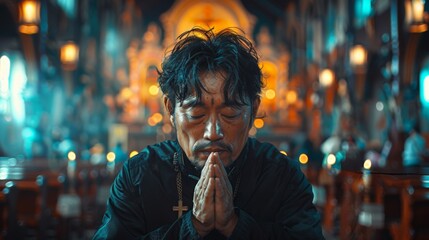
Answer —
330 39
424 89
363 9
17 86
69 7
331 42
424 84
112 41
4 76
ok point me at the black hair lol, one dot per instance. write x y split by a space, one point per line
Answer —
226 52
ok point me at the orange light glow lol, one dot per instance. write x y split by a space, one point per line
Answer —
258 123
303 158
29 16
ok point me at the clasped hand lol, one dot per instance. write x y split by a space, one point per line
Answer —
213 200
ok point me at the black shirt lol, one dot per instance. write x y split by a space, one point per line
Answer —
273 197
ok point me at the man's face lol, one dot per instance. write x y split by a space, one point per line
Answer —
211 125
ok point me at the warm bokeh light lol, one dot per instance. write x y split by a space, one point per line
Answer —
28 29
71 156
110 156
258 123
283 152
151 121
291 97
133 153
153 90
326 77
154 119
303 158
415 16
417 10
29 16
270 94
357 55
367 164
157 117
199 13
331 160
69 55
126 93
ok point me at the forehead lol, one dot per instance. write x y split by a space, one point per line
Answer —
212 90
213 82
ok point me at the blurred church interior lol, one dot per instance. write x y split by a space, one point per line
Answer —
346 84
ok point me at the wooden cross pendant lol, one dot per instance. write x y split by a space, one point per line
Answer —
180 208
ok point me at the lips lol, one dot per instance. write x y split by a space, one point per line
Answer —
206 152
213 150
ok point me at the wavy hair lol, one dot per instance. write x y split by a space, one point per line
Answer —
198 51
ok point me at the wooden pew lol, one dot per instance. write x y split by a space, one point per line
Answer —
31 208
414 204
23 209
90 183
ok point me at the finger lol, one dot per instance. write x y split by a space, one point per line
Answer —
207 177
210 190
224 187
202 182
208 162
203 208
203 212
222 176
218 161
223 203
220 190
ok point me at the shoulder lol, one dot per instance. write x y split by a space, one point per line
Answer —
152 155
273 168
269 156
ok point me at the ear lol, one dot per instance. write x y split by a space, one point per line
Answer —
169 107
172 120
255 107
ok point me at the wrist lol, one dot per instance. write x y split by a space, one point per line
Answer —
228 229
201 228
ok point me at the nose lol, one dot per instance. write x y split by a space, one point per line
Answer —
213 130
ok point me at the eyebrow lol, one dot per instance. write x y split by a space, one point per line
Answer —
194 102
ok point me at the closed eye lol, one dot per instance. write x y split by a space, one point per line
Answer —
229 116
195 117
